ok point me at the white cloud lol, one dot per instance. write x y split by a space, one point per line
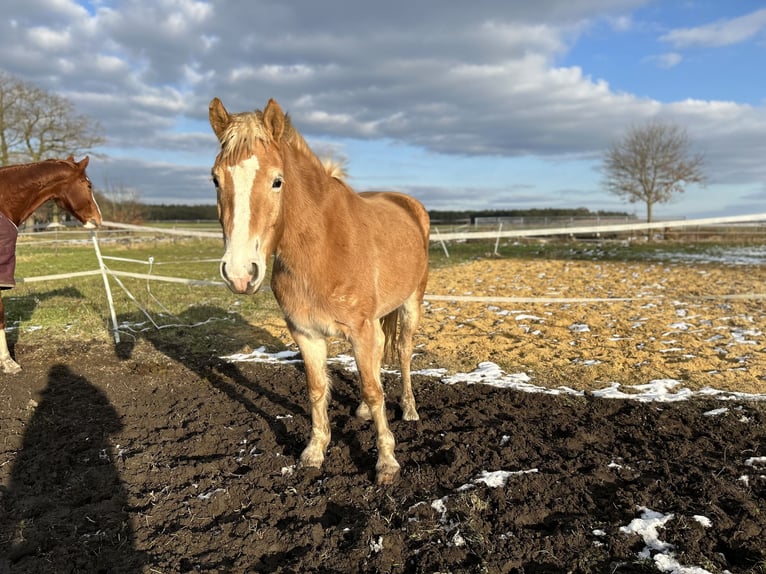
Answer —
721 33
48 39
667 60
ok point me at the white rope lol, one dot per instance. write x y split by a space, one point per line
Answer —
565 300
196 282
149 289
57 277
428 296
182 232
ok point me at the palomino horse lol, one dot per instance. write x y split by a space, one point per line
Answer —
346 264
24 188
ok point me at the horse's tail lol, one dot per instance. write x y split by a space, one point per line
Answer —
389 324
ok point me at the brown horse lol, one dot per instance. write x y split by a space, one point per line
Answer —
24 188
346 264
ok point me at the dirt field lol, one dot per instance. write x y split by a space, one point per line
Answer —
151 458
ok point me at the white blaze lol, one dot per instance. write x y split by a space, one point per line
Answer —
242 250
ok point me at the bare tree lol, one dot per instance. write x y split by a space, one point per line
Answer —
122 204
37 125
650 164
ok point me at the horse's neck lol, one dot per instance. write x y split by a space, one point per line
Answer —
309 210
24 198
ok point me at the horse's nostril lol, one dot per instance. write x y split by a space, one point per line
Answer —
253 270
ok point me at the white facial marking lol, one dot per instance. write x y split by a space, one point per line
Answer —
240 250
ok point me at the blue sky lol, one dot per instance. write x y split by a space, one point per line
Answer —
483 105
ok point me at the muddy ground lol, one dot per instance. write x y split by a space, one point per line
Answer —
152 460
151 457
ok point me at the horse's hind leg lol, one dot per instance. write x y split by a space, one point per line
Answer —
409 317
314 353
368 342
7 364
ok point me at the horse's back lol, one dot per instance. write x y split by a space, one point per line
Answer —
399 209
399 228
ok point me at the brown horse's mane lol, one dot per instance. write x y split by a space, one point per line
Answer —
47 164
63 167
247 128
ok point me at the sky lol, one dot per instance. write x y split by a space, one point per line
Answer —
489 104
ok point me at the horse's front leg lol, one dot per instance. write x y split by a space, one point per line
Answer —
368 342
314 351
7 364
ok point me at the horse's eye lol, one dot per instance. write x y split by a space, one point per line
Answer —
215 180
276 185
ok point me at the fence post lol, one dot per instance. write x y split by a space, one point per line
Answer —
444 245
101 266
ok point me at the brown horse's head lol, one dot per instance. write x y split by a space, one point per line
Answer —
75 194
248 174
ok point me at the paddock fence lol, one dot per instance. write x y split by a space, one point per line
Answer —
114 231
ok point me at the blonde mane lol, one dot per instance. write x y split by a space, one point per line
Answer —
335 168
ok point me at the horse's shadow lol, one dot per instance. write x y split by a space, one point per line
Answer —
201 336
19 309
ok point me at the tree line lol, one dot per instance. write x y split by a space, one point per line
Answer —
464 216
135 212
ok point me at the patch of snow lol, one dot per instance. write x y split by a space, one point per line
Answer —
524 317
489 373
376 545
495 479
716 412
260 355
703 520
288 470
647 526
210 493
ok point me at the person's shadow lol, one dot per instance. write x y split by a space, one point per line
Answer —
65 509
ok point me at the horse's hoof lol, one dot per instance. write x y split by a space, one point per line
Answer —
11 367
310 458
387 473
410 415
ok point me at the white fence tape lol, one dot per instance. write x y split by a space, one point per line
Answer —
165 230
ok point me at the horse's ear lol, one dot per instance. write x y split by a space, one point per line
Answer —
219 117
83 162
274 119
70 158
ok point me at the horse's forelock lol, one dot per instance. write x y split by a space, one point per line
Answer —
246 129
241 135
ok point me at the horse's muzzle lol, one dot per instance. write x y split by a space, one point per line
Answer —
245 284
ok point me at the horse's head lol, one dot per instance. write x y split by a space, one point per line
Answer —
75 195
248 175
